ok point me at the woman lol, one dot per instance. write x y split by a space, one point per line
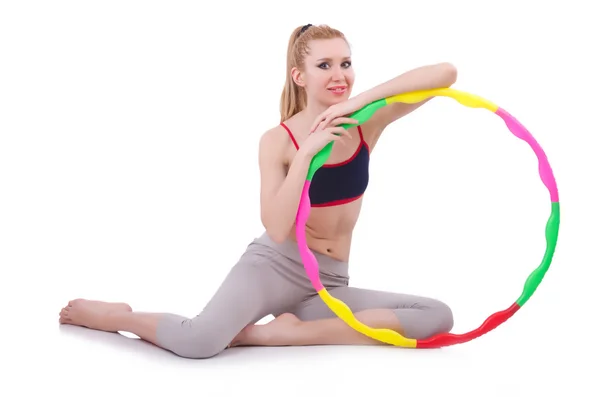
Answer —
269 278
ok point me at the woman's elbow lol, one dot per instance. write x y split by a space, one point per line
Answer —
449 74
278 238
276 235
274 231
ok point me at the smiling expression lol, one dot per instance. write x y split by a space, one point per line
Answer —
327 75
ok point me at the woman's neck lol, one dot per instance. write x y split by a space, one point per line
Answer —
312 111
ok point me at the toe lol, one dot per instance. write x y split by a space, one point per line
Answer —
75 302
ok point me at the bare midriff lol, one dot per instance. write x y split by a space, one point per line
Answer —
329 229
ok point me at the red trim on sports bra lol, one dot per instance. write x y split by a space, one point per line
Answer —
336 202
290 134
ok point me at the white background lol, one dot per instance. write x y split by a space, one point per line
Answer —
128 172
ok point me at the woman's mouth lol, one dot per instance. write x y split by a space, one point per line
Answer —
338 90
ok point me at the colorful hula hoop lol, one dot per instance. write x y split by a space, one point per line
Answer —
446 339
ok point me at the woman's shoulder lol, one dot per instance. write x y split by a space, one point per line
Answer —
282 134
274 136
274 144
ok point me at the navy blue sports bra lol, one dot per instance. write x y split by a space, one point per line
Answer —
340 183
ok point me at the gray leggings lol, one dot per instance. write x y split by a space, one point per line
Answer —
269 279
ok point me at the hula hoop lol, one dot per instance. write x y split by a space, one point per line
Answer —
445 339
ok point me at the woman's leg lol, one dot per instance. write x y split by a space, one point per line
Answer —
413 316
254 288
313 323
109 317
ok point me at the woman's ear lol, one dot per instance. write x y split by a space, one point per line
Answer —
297 77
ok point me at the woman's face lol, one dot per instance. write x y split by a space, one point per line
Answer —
328 76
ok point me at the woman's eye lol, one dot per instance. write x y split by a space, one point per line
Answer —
346 64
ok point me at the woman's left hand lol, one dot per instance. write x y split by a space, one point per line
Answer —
342 109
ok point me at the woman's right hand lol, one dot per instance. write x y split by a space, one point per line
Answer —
324 134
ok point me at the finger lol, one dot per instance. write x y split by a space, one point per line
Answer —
346 133
338 138
314 126
321 126
329 120
343 131
326 118
317 121
345 120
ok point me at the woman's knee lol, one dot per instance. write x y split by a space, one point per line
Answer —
438 319
190 338
444 318
429 320
197 346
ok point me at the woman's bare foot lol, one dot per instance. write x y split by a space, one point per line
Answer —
278 332
91 314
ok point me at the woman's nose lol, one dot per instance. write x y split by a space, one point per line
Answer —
338 74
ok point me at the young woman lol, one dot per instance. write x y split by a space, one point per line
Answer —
269 278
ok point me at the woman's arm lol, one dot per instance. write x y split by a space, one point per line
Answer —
280 193
441 75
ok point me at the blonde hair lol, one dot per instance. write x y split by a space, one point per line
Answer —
293 97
